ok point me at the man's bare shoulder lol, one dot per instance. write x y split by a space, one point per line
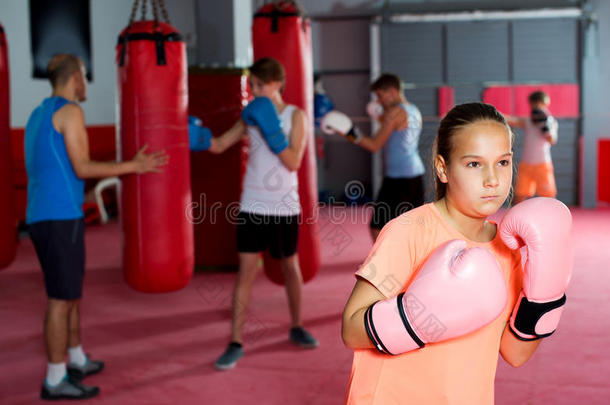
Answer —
71 109
68 116
70 112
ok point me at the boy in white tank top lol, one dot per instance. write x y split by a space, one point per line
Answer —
535 173
269 205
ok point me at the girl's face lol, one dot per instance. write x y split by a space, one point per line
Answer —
262 89
479 173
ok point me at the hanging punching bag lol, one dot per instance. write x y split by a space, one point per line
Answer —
8 221
153 102
280 31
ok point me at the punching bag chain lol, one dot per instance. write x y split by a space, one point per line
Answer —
143 15
155 6
164 11
134 10
282 4
159 4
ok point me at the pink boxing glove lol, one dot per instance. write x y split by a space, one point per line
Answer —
457 291
544 226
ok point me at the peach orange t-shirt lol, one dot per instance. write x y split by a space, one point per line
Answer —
456 371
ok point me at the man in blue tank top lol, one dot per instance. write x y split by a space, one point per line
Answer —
57 162
400 126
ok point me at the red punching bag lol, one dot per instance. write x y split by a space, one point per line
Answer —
217 96
8 221
279 31
152 85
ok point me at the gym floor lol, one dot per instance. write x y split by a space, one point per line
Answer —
161 348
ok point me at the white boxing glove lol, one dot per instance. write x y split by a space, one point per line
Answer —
374 110
335 121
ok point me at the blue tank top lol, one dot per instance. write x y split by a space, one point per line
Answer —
54 190
401 150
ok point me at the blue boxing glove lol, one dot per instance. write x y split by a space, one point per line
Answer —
261 112
200 137
322 104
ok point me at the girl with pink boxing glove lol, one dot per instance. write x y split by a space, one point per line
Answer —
442 291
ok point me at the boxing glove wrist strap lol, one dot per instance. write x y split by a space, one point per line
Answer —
354 135
372 332
525 323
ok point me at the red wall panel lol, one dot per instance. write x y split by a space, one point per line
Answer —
565 99
446 100
500 97
603 170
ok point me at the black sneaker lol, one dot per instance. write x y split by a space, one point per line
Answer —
91 367
229 358
301 337
68 389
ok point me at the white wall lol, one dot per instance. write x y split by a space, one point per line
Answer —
108 18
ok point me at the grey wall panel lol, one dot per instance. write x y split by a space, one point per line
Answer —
329 39
342 47
565 161
595 90
468 94
426 141
518 145
343 8
545 50
477 52
216 33
413 51
344 162
425 98
349 92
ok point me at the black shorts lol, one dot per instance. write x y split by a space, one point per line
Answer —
60 247
397 196
257 233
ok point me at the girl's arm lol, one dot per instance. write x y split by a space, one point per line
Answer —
229 138
292 156
514 351
352 328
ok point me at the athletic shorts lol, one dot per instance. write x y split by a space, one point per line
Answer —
535 179
60 247
397 196
257 233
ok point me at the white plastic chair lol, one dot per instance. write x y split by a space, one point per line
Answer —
101 186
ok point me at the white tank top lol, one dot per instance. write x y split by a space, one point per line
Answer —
536 149
269 187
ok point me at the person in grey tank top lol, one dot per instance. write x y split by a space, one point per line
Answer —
398 136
